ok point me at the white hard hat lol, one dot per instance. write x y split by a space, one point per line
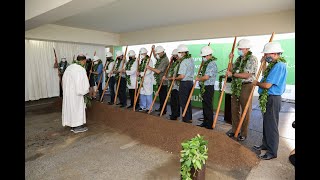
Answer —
159 49
244 43
131 53
143 50
182 48
174 52
109 54
206 50
119 53
95 58
272 47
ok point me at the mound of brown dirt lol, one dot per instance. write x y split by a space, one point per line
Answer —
168 135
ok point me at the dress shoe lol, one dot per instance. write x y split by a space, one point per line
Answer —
241 138
172 118
123 106
230 134
190 121
158 110
118 104
208 127
267 156
130 107
202 125
110 103
259 148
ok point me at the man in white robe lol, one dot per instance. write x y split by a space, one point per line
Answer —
75 86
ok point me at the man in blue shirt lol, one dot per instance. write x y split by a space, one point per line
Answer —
185 76
271 87
206 80
97 67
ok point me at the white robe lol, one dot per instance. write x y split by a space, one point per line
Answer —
133 75
147 88
75 86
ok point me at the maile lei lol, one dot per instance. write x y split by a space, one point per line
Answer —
263 98
157 76
236 83
187 56
203 71
173 66
87 98
95 67
142 66
128 67
107 74
117 68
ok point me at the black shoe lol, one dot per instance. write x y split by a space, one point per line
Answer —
259 148
190 121
241 138
267 157
230 134
202 125
118 104
208 127
158 110
123 106
172 118
130 107
110 103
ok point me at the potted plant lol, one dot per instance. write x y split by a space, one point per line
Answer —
193 158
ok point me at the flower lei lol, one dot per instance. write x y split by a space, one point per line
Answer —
117 67
236 83
203 71
128 67
263 98
157 76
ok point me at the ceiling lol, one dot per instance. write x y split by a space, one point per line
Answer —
121 16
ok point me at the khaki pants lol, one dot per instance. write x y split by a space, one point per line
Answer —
238 106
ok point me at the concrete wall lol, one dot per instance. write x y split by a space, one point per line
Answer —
282 22
68 34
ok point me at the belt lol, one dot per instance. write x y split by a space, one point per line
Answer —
246 82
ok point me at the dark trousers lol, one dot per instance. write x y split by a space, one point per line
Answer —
100 89
184 91
131 94
175 104
207 106
122 91
162 97
270 137
60 88
112 81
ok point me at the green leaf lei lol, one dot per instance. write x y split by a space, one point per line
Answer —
236 83
128 67
95 67
157 76
178 63
203 71
117 68
142 66
263 98
86 97
107 77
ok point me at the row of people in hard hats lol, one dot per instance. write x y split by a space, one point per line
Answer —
181 74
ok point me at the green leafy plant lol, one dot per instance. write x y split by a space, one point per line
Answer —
194 154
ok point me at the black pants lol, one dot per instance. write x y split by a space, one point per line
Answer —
175 104
270 137
207 105
131 94
100 89
162 97
185 89
60 88
112 81
122 91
